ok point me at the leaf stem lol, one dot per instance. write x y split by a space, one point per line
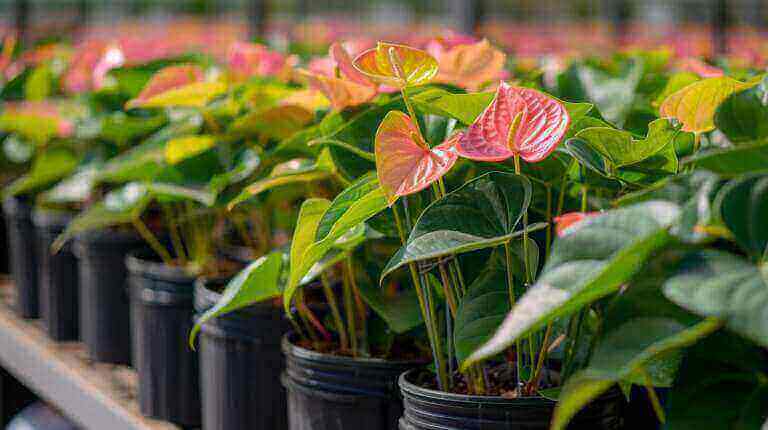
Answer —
152 241
653 397
333 303
349 310
442 379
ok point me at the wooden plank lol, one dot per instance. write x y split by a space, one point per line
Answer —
95 395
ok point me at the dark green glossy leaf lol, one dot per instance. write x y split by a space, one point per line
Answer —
742 205
718 284
746 158
483 213
401 310
590 262
743 117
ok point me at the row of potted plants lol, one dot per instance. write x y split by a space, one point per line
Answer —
428 237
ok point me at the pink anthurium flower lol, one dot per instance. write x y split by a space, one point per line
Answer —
519 122
566 223
470 65
166 79
405 164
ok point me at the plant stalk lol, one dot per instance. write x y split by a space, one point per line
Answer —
333 303
152 241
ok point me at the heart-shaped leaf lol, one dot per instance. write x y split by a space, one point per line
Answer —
483 213
519 121
695 105
396 66
482 309
619 147
743 116
613 95
400 310
463 107
717 284
471 66
404 162
586 264
738 160
258 282
742 205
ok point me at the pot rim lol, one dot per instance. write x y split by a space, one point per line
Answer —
142 262
291 349
408 387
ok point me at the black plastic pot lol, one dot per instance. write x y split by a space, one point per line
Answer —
329 392
162 312
240 365
21 241
57 277
104 324
427 409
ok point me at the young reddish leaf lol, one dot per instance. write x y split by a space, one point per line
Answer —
404 162
519 121
79 75
37 120
396 65
167 79
471 66
695 104
341 92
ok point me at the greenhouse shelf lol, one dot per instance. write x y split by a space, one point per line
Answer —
94 395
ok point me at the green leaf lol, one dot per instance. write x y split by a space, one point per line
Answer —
483 213
743 117
401 311
278 122
481 310
742 205
589 263
48 167
309 217
120 206
722 385
463 107
180 148
257 282
717 284
347 212
74 189
146 160
291 172
121 128
747 158
623 352
39 83
621 149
